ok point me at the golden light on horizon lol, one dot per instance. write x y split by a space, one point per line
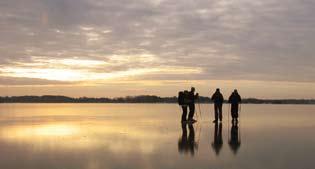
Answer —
84 70
83 75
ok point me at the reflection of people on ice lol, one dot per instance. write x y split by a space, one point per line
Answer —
187 144
235 139
235 99
217 140
187 99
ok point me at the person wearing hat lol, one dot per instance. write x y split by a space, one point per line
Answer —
235 99
218 99
192 98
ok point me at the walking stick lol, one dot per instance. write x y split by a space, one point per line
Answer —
239 114
199 109
197 116
229 113
229 123
239 126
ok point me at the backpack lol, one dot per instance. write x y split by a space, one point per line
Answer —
181 98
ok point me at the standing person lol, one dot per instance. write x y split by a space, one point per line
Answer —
183 101
184 108
218 99
192 98
235 99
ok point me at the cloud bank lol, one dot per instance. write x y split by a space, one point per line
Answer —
97 40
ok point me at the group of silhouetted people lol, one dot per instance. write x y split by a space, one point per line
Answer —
218 99
188 98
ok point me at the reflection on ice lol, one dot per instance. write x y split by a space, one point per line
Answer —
35 131
96 136
187 143
235 138
217 139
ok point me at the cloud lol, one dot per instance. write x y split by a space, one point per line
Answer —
18 81
226 40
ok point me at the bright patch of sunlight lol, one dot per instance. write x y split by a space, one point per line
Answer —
86 75
91 135
48 74
85 70
69 62
55 130
49 130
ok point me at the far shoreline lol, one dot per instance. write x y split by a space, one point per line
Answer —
142 99
310 104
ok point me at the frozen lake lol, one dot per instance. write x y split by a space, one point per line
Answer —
150 136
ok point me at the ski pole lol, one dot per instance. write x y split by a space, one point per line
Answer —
229 122
197 116
239 114
229 113
199 109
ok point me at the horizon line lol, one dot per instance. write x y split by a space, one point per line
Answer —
145 95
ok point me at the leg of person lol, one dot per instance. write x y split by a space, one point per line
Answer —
236 112
184 115
215 113
232 115
191 111
184 131
220 112
233 111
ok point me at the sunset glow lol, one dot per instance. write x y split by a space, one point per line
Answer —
166 45
84 74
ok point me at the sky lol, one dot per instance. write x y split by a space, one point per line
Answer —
106 48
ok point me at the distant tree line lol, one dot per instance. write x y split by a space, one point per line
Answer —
137 99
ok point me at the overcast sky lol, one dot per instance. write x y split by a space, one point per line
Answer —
130 47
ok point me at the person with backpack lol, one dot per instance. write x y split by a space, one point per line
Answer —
183 101
187 99
218 99
235 99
